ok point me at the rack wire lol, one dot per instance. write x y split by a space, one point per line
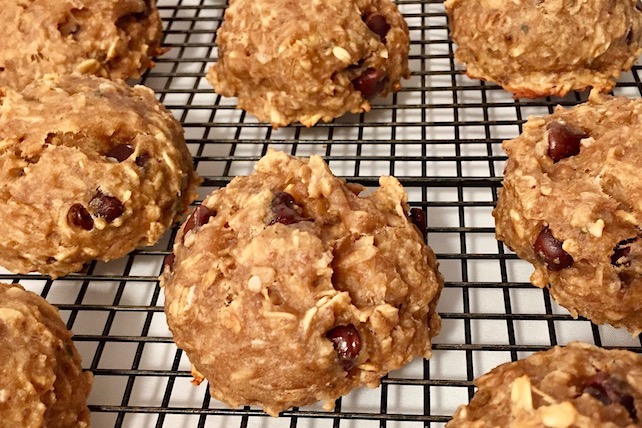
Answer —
440 135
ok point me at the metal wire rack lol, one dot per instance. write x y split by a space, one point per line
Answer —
440 135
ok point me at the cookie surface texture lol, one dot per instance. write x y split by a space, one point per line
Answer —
43 384
309 60
571 205
110 38
288 288
579 386
89 169
535 48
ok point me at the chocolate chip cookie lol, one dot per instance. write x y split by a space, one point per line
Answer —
287 287
535 48
89 169
571 205
306 60
579 385
109 38
43 384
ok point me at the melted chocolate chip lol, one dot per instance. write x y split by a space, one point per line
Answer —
80 217
377 23
550 251
370 82
107 207
621 250
199 217
142 159
121 152
285 210
169 261
418 218
347 344
563 142
611 390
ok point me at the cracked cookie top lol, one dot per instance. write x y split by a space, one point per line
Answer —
571 204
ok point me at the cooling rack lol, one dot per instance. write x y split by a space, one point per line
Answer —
440 135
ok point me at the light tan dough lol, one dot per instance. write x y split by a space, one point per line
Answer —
65 197
591 203
43 384
110 38
297 60
535 48
254 301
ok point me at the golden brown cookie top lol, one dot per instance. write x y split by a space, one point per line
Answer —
110 38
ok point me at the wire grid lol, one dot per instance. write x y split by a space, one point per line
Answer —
440 135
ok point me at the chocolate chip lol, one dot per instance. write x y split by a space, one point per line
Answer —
199 217
418 218
80 217
370 82
563 142
142 159
347 344
121 152
107 207
377 23
169 261
610 390
285 210
550 251
621 250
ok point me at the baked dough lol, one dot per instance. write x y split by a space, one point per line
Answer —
571 204
43 384
579 386
89 169
286 287
535 48
309 60
110 38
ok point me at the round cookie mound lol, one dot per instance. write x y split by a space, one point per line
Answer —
43 384
286 287
109 38
579 385
89 169
536 48
571 204
309 60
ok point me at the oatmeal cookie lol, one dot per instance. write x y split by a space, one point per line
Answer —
535 48
306 60
571 205
43 384
89 169
578 386
109 38
287 287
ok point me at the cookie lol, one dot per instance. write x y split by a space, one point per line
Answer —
535 48
109 38
286 287
306 60
579 385
571 205
43 384
89 169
